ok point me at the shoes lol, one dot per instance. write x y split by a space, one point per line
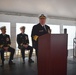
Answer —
11 63
23 61
2 65
30 61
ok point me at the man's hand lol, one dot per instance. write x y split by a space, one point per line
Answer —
8 44
1 46
49 31
6 48
25 46
21 44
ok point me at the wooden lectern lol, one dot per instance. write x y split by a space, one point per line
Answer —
52 54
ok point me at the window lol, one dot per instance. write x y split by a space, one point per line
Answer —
27 31
71 35
55 29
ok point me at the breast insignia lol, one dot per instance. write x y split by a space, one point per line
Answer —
7 39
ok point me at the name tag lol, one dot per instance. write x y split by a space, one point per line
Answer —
41 30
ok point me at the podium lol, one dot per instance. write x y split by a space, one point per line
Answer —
52 54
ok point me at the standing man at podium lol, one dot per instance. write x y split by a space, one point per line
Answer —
38 30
